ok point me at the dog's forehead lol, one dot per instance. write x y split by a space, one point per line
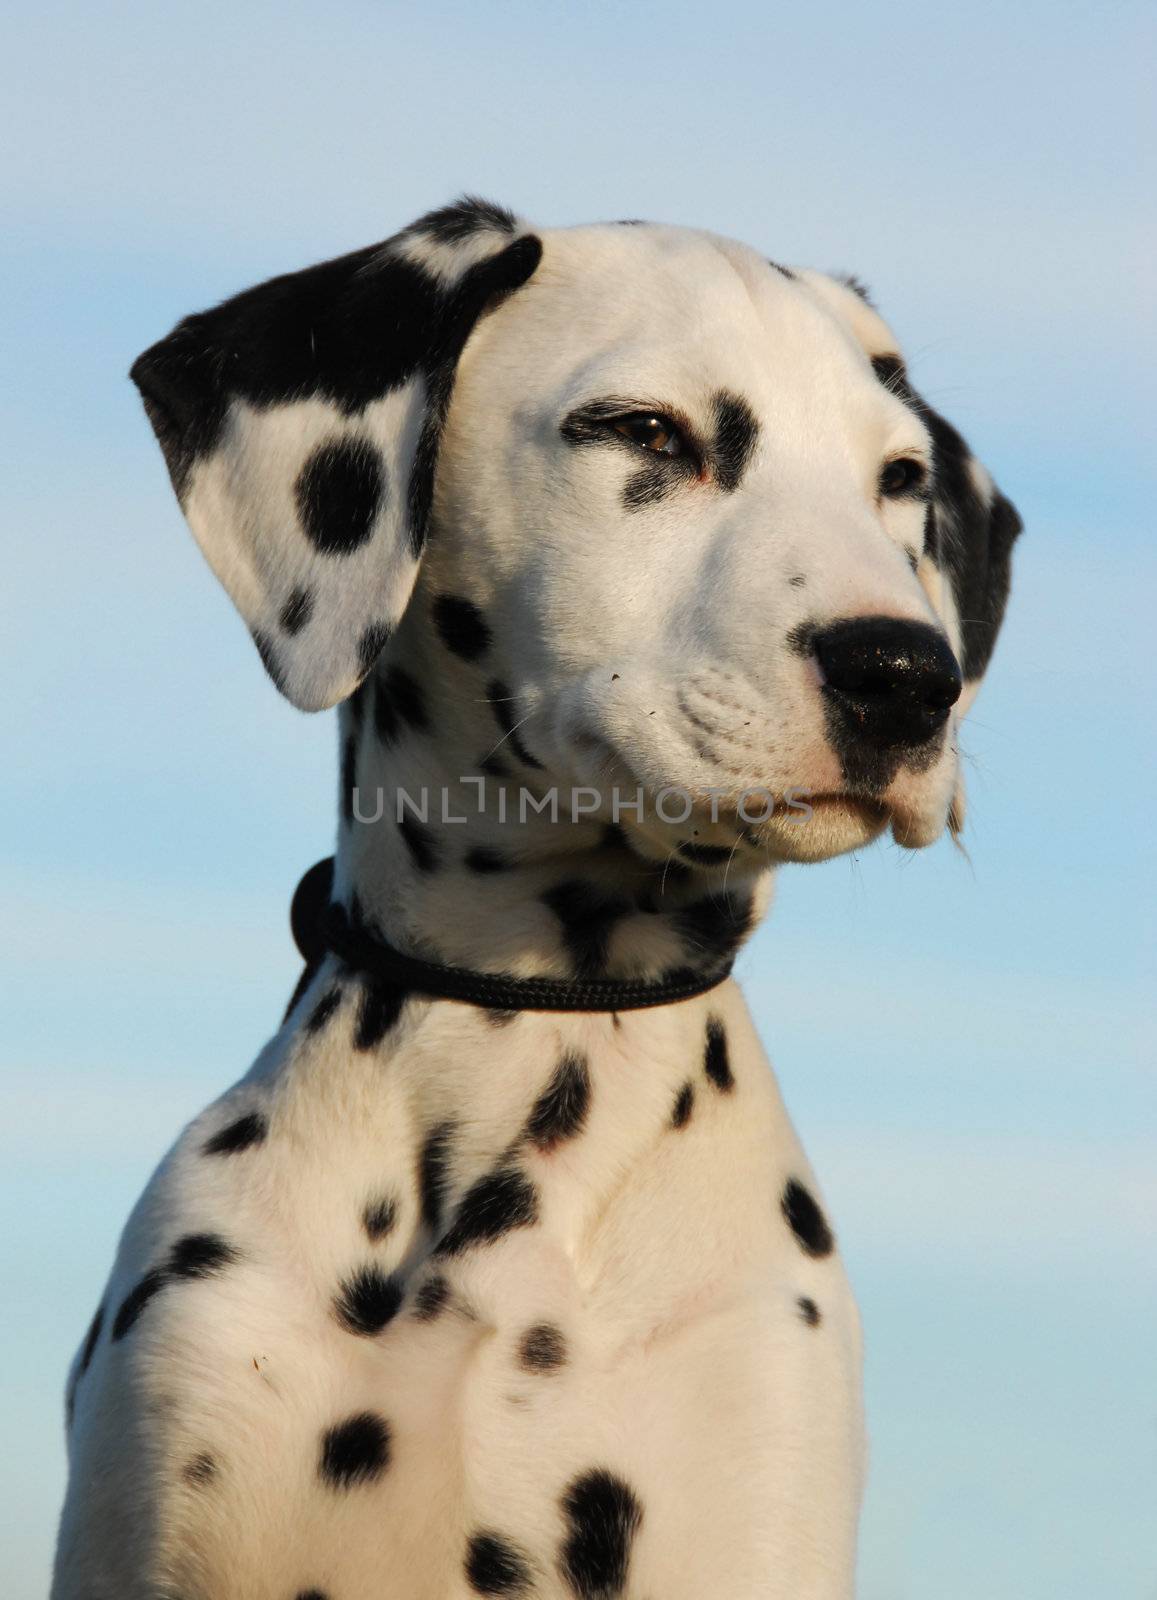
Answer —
656 267
611 303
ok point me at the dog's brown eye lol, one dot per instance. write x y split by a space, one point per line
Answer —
655 433
902 477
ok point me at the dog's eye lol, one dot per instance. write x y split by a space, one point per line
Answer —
902 477
652 431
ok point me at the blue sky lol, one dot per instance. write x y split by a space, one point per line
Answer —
966 1047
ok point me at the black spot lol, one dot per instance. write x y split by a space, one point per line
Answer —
339 492
493 1205
421 496
373 641
296 611
706 855
434 1173
973 541
980 565
561 1108
312 1594
199 1255
615 838
893 374
542 1348
653 482
462 627
381 1006
505 714
355 1451
714 928
806 1220
200 1470
240 1135
495 1566
419 841
323 1010
933 544
90 1342
379 1216
350 330
136 1301
858 287
684 1105
736 432
801 640
784 272
809 1311
367 1301
398 704
604 1518
588 919
716 1063
451 224
431 1298
482 286
483 860
493 767
797 580
349 776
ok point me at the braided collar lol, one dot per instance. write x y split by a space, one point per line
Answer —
320 926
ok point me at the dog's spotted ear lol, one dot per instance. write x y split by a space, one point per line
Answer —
300 423
970 527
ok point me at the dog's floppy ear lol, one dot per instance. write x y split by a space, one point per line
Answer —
971 527
300 423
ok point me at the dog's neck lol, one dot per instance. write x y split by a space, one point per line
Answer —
473 875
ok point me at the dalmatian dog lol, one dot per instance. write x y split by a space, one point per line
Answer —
637 568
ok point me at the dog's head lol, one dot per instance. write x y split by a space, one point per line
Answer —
680 502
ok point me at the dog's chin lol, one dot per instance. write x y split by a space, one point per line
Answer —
834 824
806 825
823 826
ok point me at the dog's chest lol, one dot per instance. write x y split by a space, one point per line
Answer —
497 1296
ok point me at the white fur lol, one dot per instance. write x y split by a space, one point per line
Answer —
662 1254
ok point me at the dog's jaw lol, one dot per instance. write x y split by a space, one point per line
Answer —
460 842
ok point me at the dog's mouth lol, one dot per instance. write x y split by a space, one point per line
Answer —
804 826
739 830
834 801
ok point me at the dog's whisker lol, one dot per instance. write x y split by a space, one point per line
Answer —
511 730
730 859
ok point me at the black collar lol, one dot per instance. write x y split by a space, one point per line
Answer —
320 926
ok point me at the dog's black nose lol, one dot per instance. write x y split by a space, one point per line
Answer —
891 682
